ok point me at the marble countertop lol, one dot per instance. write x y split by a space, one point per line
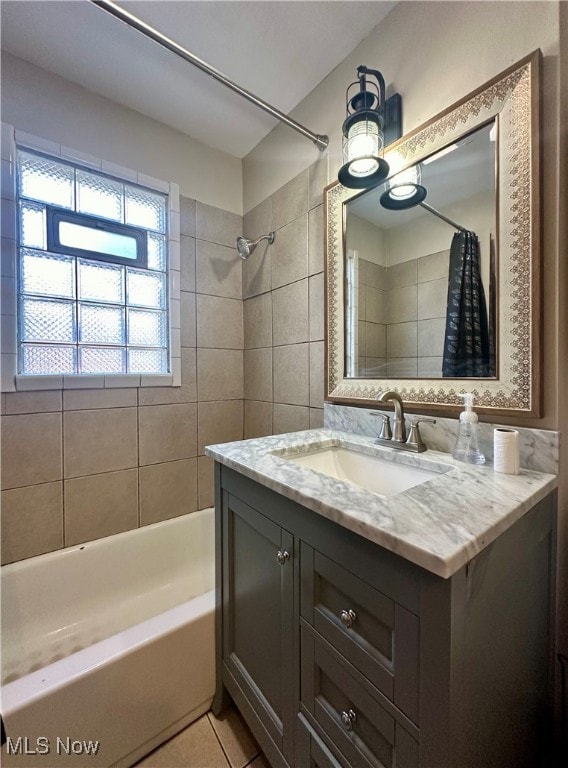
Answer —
439 525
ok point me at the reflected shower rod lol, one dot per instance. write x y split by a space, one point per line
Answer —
115 10
444 218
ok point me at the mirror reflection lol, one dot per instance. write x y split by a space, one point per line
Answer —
420 281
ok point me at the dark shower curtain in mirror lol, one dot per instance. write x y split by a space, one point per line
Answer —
467 348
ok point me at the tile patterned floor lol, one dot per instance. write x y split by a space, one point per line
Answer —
210 742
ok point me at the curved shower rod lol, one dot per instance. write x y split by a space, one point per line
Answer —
115 10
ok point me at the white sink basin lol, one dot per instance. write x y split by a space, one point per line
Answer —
370 472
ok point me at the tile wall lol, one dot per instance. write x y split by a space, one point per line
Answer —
82 464
402 316
283 291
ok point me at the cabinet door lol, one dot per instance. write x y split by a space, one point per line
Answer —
258 616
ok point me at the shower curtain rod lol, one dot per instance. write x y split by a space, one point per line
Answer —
115 10
444 218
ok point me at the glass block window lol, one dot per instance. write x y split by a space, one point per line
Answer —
93 261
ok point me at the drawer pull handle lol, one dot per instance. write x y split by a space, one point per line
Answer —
347 618
282 557
348 718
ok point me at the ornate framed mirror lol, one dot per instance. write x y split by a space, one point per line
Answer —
401 281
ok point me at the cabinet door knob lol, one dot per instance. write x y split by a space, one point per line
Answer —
348 718
348 617
282 557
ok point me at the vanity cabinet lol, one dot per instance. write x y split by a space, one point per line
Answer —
339 653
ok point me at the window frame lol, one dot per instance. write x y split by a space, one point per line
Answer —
10 379
55 216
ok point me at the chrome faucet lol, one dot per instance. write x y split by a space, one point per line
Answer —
398 425
396 438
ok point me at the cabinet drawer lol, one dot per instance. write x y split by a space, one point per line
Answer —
364 731
378 636
311 752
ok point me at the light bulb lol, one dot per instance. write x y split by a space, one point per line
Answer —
361 148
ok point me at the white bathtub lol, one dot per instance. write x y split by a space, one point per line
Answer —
111 641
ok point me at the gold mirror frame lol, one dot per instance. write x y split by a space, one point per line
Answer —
512 99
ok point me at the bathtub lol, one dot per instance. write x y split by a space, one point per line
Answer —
108 646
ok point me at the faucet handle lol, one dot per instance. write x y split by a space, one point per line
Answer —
385 433
414 437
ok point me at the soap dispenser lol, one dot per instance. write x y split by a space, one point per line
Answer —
467 446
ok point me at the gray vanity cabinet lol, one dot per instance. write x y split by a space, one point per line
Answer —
258 614
340 654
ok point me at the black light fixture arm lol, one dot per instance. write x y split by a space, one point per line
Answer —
115 10
363 71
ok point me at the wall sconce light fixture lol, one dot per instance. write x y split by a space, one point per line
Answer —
372 123
404 190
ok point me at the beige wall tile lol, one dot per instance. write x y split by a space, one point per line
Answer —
430 367
399 275
167 490
375 275
217 225
290 201
315 240
219 322
362 338
167 432
376 305
218 270
291 374
431 337
31 521
375 367
316 374
290 252
318 179
258 221
317 311
31 402
258 374
219 422
376 340
188 320
258 321
100 505
290 314
432 299
219 374
289 418
402 304
258 419
187 261
316 418
187 216
402 340
89 399
402 367
31 449
205 482
257 271
186 393
434 266
99 441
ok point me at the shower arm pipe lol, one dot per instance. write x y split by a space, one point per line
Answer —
321 141
444 218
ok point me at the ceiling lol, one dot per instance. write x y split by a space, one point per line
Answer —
279 50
